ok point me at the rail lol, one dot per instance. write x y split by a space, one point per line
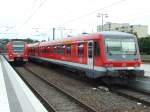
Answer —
140 83
86 107
138 96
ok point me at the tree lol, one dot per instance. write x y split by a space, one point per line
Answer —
28 40
144 45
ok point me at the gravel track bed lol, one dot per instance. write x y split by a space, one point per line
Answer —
58 100
102 101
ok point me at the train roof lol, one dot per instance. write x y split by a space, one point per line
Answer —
33 44
116 33
86 37
70 40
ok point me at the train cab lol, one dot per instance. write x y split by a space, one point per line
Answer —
17 51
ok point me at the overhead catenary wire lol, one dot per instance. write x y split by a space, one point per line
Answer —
80 17
90 13
75 19
33 5
32 14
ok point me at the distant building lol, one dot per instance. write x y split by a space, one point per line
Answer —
139 30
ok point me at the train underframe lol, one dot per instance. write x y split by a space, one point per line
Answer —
18 61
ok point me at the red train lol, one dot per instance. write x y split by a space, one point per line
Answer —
101 54
17 51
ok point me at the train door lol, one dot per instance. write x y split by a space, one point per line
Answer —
90 55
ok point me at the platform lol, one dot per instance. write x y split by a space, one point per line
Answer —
15 96
146 68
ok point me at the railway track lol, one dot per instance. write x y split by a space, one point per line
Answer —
44 101
138 96
131 90
101 100
63 101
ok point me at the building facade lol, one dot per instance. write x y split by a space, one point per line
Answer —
138 30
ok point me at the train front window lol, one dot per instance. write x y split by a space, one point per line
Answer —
18 42
18 49
18 46
120 46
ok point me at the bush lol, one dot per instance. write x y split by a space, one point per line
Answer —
144 45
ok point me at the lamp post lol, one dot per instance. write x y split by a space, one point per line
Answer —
53 33
102 15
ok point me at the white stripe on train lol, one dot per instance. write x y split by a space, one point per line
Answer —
98 68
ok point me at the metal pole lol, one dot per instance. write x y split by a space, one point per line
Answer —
102 21
109 26
53 33
102 15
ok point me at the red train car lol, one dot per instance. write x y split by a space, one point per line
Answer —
100 54
17 51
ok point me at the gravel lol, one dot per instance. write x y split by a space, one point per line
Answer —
102 101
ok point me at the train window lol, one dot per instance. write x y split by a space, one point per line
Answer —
51 50
18 43
96 49
68 50
120 46
80 49
18 48
55 49
35 50
43 49
29 50
90 49
47 49
40 50
58 49
32 51
62 49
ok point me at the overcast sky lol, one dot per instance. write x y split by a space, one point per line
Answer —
36 18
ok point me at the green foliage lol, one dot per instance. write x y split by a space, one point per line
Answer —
5 41
28 40
144 45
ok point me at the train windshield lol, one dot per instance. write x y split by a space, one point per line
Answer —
18 46
120 46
